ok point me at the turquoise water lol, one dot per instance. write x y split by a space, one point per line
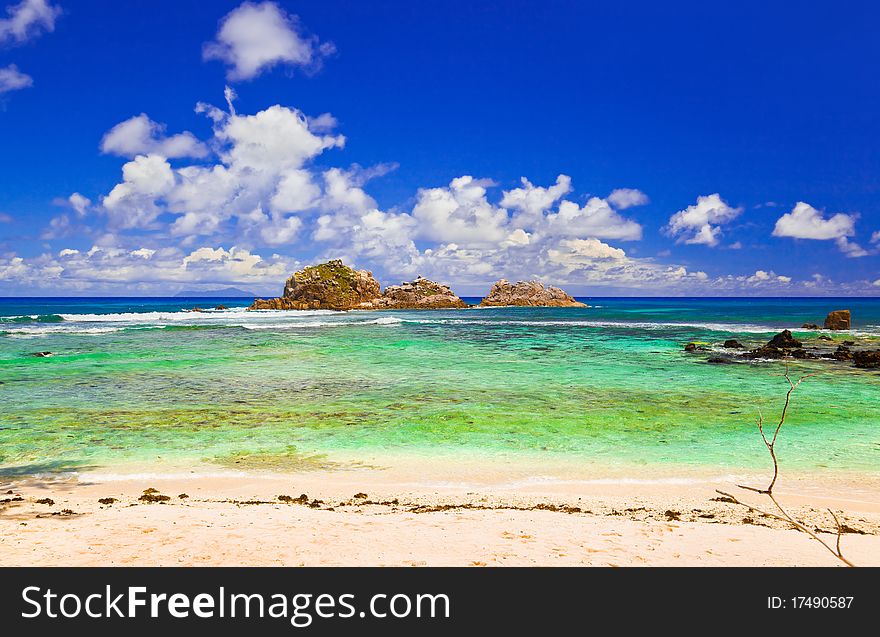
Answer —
138 380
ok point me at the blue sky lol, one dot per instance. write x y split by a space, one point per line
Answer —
687 148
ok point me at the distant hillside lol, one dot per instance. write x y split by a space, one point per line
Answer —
221 293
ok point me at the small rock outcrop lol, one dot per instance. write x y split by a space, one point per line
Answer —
420 294
867 359
326 286
842 353
838 320
782 345
810 326
733 344
527 293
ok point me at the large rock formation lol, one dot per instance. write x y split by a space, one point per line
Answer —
838 320
327 286
335 286
528 293
420 294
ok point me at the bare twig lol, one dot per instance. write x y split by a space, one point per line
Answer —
784 515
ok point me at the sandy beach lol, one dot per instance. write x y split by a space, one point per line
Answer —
393 517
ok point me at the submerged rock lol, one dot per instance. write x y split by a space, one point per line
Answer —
326 286
420 294
528 293
810 326
719 361
867 359
42 354
838 320
842 353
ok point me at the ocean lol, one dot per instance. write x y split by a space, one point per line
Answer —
140 382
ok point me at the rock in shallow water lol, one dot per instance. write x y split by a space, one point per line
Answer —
869 359
780 346
838 320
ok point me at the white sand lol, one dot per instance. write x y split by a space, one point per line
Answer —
484 522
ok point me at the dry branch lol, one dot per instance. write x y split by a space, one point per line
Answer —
783 514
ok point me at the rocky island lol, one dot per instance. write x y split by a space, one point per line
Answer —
326 286
528 293
420 294
336 286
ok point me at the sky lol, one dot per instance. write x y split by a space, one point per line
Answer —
631 148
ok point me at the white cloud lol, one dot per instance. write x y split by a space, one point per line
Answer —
596 218
11 79
805 222
257 36
140 135
460 213
168 225
761 277
260 180
530 202
624 198
132 203
28 19
114 268
850 248
574 252
79 203
700 224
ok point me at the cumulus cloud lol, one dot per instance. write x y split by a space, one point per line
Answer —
596 218
119 268
132 203
529 202
79 203
762 276
805 222
624 198
700 224
140 135
460 213
578 252
11 79
258 36
28 19
165 225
